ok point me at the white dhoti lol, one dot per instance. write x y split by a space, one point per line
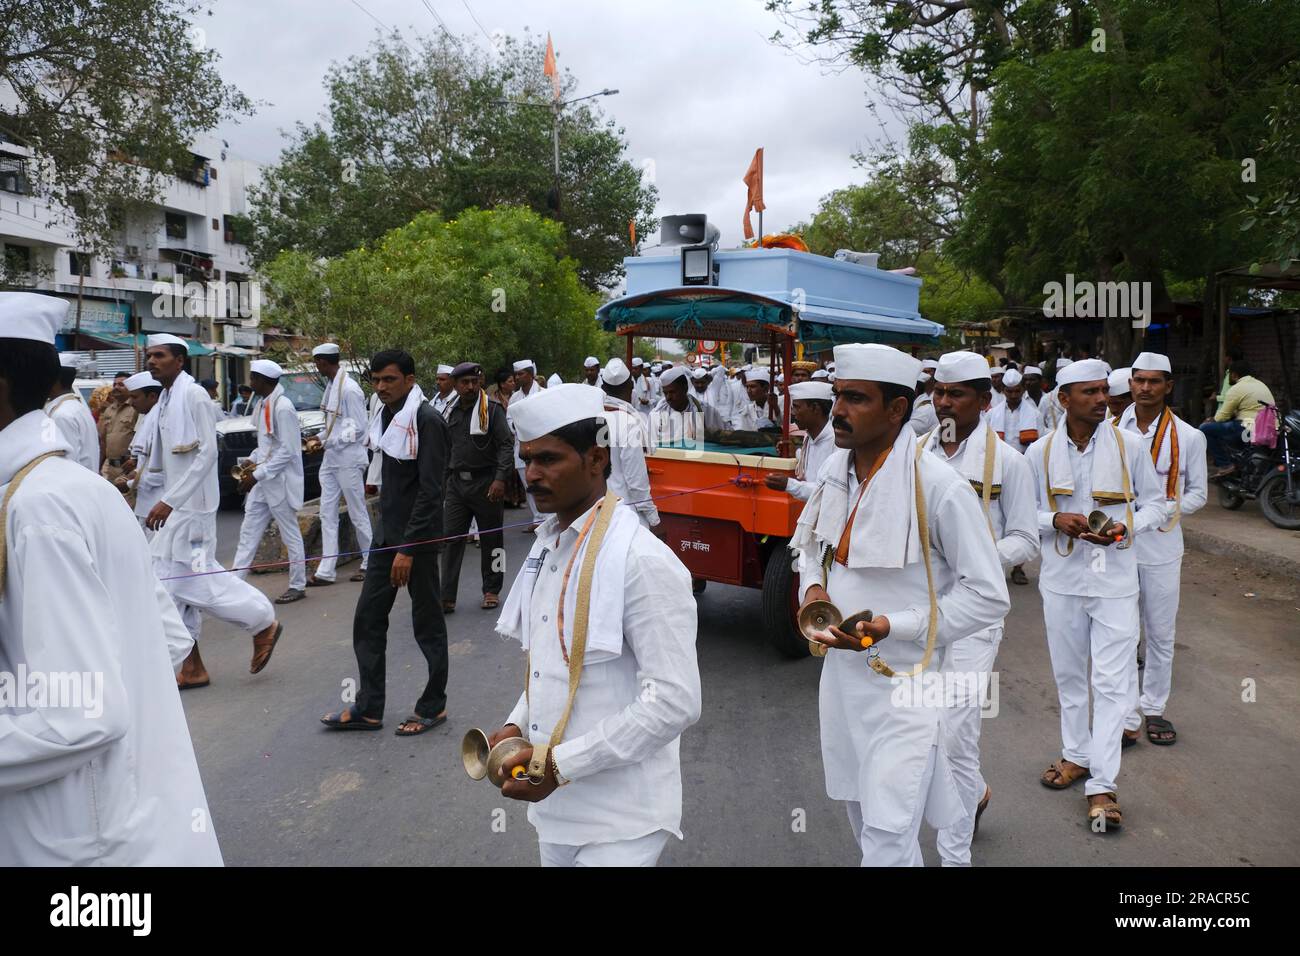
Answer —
350 484
888 848
1158 598
223 595
881 755
258 514
642 851
1105 629
971 660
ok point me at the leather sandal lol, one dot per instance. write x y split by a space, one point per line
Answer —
490 601
1157 728
1127 739
1062 773
263 644
1108 809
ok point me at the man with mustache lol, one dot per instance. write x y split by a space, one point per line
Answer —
1000 476
1177 450
1089 581
604 610
901 534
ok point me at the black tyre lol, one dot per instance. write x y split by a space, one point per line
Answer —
698 585
780 605
1229 500
1277 509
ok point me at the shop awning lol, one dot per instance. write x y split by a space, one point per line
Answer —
128 340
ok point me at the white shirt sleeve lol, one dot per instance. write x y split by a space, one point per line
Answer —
659 621
1020 539
1196 487
635 473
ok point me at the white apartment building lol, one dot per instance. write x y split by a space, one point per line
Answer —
178 267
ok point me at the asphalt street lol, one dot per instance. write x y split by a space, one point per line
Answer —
284 790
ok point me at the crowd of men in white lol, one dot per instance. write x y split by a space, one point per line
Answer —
924 482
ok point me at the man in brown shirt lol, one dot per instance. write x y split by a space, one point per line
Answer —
116 429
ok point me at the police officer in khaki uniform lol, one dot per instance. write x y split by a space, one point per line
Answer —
116 429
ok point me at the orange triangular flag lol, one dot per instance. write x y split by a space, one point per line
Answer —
550 69
754 181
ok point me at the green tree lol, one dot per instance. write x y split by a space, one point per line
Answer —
490 286
108 96
436 127
1121 160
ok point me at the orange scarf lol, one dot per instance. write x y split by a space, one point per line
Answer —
1163 427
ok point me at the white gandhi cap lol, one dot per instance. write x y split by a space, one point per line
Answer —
554 408
266 368
961 367
1152 362
873 362
325 348
27 315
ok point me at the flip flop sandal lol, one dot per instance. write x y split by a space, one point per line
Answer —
1109 810
1157 726
1126 741
1058 777
448 608
426 724
315 582
359 576
1018 576
289 596
490 601
354 722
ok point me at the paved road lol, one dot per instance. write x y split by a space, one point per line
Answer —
285 791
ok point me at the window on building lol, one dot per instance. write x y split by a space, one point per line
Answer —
216 224
176 225
76 262
17 260
13 176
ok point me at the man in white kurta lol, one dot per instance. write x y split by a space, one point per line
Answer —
966 442
1016 419
527 387
923 420
629 478
343 467
1049 407
606 789
96 764
680 419
1089 582
1177 451
73 418
274 492
143 392
185 518
810 407
759 409
859 544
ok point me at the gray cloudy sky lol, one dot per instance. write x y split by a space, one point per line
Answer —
700 87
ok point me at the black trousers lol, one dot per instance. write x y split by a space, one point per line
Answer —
370 632
466 500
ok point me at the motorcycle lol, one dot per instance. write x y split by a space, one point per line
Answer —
1269 475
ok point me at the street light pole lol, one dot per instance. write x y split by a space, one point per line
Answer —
556 107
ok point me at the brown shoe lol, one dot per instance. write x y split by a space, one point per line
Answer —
263 645
193 673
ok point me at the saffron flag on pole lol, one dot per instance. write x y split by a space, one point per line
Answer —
550 69
754 181
631 231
